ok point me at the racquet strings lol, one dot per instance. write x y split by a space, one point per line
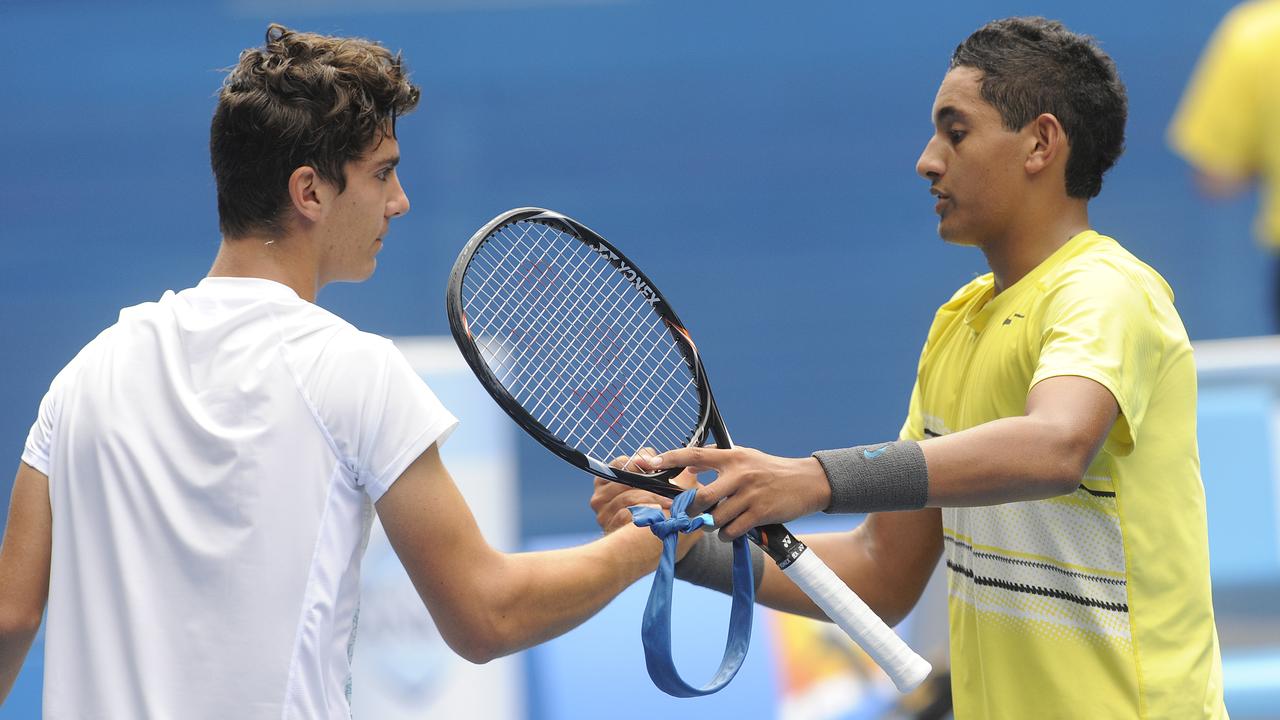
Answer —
577 345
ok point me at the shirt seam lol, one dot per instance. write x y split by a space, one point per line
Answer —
298 385
292 680
382 482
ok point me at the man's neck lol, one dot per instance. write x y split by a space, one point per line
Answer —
1022 250
284 260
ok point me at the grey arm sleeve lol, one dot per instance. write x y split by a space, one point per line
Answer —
709 563
871 478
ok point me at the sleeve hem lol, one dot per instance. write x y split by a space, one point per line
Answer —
39 462
437 432
1130 439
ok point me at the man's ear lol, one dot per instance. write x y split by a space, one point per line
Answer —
307 194
1048 140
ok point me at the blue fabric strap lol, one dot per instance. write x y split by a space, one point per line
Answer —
656 628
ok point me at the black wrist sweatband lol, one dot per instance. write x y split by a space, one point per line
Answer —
872 478
709 563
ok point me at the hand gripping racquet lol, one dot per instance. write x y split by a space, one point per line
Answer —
582 351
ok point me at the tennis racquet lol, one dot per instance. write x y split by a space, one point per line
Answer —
582 351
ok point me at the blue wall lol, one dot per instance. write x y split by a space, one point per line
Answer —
756 159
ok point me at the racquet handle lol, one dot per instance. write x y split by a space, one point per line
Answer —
846 609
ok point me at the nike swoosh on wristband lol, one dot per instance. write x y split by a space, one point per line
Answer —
873 454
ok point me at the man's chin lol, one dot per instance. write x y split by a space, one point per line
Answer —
953 236
359 276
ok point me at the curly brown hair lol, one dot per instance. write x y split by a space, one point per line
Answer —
302 99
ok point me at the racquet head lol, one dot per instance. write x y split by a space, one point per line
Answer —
577 345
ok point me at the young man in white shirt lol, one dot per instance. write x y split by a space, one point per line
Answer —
195 495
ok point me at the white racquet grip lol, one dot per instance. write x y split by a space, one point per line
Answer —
846 609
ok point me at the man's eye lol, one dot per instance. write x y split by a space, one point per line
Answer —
955 135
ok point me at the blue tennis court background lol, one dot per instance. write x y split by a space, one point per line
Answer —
757 159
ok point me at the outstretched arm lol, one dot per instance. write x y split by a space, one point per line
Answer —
487 603
24 571
1040 454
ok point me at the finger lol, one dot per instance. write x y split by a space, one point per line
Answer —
645 462
686 480
724 511
610 513
712 458
622 502
606 489
619 519
739 525
734 516
637 461
600 500
615 520
705 499
630 463
610 487
616 516
628 498
609 496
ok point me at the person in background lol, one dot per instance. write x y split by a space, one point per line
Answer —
1227 125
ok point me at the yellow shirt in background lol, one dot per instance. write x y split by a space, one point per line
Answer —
1228 122
1095 604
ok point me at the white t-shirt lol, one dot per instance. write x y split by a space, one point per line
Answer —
213 459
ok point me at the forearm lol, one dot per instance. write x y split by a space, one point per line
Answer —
1006 460
15 642
1042 453
537 596
24 570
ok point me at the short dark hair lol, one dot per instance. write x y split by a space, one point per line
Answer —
1031 66
302 99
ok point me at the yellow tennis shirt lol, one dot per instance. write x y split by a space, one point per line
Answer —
1228 122
1094 604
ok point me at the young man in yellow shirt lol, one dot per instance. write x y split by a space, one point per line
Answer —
1049 451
